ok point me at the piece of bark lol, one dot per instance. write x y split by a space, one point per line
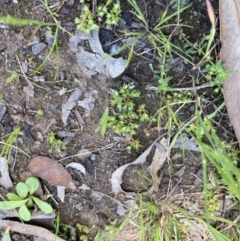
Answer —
230 55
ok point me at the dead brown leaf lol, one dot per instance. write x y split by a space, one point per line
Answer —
51 171
230 55
159 159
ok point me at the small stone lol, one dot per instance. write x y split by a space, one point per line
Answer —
37 48
49 39
63 134
114 48
8 129
25 66
27 131
88 166
121 197
38 78
2 111
2 47
127 17
94 157
84 153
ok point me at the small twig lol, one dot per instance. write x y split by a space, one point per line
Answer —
15 159
33 34
29 230
94 150
54 200
52 122
169 194
115 41
27 78
20 66
79 118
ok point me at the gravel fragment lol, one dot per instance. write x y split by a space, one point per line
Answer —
2 111
63 134
88 166
38 78
37 48
127 17
2 47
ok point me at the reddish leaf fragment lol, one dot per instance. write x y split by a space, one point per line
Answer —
51 171
211 13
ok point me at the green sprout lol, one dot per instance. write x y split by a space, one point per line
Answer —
24 199
55 144
87 21
40 112
125 117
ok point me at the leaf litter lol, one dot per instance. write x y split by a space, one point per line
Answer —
70 104
95 61
160 157
51 171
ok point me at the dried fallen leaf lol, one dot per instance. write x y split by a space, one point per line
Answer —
185 143
159 158
116 178
180 172
230 55
70 104
51 171
5 180
96 61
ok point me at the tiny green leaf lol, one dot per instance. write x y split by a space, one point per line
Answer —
13 197
33 184
11 78
45 207
103 122
29 204
22 189
24 213
6 236
8 205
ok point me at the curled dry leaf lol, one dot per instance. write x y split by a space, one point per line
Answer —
70 104
116 178
51 171
159 158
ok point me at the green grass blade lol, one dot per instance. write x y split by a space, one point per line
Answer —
138 13
12 20
166 18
